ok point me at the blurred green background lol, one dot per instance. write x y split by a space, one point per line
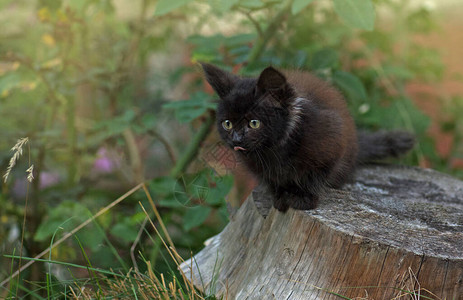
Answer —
108 94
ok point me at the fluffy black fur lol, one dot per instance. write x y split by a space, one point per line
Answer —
305 140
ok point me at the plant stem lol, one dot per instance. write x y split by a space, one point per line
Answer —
165 143
72 141
253 21
134 155
261 43
193 148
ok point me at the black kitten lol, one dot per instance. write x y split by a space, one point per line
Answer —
295 133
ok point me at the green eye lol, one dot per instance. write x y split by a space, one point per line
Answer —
227 125
254 124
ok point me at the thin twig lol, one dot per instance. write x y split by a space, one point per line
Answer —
165 143
134 155
193 148
269 32
254 22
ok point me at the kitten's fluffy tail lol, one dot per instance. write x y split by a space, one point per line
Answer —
383 144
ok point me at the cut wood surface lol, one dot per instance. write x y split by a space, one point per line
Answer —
393 231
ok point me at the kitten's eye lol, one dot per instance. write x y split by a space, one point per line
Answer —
227 125
254 124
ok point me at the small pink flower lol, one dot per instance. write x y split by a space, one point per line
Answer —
48 179
105 162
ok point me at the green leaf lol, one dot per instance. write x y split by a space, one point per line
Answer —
217 194
172 193
395 113
110 127
124 231
213 41
251 3
226 5
299 5
51 4
197 185
350 85
188 110
117 124
67 214
223 213
165 6
398 71
149 120
8 82
91 238
357 13
179 199
406 111
163 185
195 216
46 229
325 58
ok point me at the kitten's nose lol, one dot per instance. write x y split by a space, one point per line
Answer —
236 138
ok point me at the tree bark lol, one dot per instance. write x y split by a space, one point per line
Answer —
393 232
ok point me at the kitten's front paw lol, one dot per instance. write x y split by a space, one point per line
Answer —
303 203
281 204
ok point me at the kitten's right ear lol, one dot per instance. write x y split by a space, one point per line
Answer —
271 80
221 81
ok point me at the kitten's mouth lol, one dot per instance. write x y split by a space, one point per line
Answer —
237 148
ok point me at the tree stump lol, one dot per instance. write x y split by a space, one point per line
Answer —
394 232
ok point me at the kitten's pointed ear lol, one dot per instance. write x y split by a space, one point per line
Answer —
221 81
270 80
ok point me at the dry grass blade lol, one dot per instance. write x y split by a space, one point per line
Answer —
158 283
133 283
171 250
158 216
157 232
152 276
410 286
72 292
188 284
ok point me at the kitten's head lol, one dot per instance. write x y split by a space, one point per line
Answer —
253 113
